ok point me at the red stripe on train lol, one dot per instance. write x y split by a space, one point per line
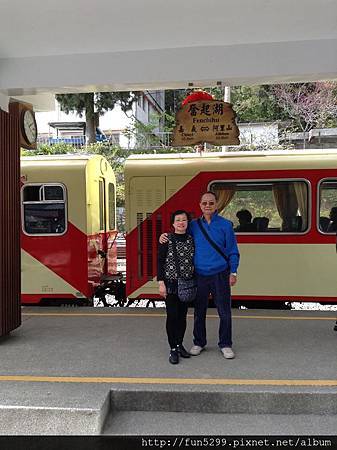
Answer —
65 255
36 298
284 298
291 298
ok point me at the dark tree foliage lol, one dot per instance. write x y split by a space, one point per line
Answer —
257 104
93 105
251 103
173 99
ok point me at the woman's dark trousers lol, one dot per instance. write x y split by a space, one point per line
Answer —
176 320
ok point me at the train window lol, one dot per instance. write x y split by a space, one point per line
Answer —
44 209
112 207
31 193
53 193
327 222
264 206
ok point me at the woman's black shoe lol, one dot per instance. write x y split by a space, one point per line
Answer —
183 352
174 356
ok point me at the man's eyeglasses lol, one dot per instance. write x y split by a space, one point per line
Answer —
207 203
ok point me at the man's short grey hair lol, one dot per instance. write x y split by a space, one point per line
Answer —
209 192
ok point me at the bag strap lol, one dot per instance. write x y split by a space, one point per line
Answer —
213 244
175 255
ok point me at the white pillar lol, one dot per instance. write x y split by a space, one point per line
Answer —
226 98
4 101
227 94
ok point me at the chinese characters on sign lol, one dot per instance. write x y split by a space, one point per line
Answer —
211 121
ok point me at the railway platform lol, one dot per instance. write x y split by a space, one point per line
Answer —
105 371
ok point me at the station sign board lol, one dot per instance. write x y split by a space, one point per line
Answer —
211 121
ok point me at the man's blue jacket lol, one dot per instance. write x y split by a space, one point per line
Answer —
207 260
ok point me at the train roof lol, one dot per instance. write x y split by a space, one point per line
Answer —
175 164
58 163
236 154
82 160
66 157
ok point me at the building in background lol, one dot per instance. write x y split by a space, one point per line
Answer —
57 126
315 138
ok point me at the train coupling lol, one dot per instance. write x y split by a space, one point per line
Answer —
111 277
112 284
101 253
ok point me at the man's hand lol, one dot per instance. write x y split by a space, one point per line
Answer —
163 238
232 279
162 289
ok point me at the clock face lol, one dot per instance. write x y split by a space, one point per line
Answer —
29 128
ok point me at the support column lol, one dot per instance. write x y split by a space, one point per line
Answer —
10 227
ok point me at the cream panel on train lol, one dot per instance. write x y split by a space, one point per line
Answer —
38 279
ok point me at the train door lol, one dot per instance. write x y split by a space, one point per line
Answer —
103 221
111 235
146 195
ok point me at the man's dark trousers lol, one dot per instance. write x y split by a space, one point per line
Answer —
218 286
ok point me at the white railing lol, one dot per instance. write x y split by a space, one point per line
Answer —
141 140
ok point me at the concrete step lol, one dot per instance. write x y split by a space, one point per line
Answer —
138 423
228 402
58 409
264 412
72 410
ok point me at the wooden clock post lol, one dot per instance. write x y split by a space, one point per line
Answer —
27 124
12 137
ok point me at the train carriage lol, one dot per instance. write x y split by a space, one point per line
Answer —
290 255
68 227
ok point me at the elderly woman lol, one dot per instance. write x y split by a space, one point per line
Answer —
178 250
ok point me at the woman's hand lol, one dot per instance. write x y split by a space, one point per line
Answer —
233 279
163 238
162 289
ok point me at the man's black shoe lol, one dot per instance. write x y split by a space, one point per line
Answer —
183 352
174 356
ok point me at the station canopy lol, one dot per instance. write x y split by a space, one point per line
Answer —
104 45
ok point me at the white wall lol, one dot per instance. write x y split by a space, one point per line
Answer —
259 133
4 102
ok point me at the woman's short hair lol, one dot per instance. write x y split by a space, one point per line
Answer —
178 212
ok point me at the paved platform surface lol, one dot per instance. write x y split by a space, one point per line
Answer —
106 371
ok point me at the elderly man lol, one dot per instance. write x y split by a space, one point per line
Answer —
216 261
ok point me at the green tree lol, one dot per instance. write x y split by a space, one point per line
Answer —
251 103
93 105
257 104
144 135
46 149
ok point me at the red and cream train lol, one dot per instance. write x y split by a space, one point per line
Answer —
289 256
68 218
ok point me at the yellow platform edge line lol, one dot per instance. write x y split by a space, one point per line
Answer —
211 316
177 381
